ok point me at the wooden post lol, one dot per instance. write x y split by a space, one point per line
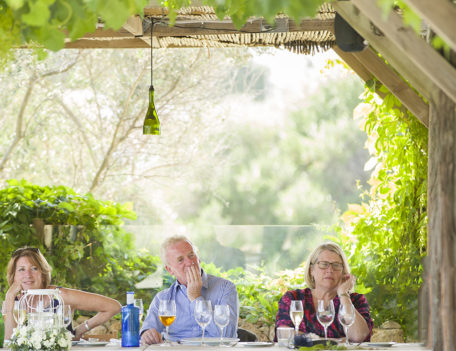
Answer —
442 219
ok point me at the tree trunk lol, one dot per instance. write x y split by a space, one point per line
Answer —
441 227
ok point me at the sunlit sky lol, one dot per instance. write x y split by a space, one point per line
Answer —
293 79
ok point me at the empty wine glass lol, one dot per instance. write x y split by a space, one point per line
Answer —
325 314
167 315
346 318
67 315
139 303
296 313
203 315
221 318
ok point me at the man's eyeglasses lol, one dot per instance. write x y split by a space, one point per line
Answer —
23 249
337 266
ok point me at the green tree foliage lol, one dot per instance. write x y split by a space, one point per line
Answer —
385 236
44 22
97 255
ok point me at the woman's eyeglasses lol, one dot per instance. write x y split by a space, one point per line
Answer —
24 249
337 266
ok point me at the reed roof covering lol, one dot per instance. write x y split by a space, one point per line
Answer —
200 27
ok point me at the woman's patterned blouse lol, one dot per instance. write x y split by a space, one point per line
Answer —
310 322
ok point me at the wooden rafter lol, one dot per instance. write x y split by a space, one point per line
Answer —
389 50
395 84
435 67
440 15
354 64
134 25
368 65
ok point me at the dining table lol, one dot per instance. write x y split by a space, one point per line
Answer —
252 346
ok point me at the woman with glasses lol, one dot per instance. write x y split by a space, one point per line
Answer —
28 269
328 277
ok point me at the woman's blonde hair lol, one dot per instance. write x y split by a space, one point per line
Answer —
312 259
36 258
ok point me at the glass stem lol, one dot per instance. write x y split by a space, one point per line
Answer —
167 335
221 334
347 342
202 339
326 333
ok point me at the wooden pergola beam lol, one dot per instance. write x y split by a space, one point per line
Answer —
395 84
354 64
440 15
435 67
389 50
368 65
107 43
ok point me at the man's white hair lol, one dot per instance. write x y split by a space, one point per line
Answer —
170 241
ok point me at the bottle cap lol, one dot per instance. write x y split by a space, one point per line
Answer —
130 297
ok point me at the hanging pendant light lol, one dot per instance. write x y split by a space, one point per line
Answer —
151 124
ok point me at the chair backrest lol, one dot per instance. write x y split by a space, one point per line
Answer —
245 335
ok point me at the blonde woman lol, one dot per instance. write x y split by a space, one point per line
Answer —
328 277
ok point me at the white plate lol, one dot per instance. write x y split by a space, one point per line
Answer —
209 341
380 344
256 344
95 343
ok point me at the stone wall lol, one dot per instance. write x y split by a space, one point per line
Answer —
388 331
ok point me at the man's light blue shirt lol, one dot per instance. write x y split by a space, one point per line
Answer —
218 290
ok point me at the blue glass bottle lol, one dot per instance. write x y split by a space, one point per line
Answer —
130 322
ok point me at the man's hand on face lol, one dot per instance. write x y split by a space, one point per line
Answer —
194 282
151 336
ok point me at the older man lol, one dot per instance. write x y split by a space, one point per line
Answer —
192 283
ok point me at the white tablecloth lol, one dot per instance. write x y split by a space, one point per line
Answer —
395 347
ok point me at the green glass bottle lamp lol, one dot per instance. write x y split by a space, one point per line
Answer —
151 124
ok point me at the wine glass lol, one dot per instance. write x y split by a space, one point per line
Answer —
296 313
167 315
19 313
139 303
67 315
203 315
325 314
346 318
221 318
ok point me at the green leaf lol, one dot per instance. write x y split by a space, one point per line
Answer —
38 14
114 12
15 4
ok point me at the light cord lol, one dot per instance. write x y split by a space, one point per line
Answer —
151 56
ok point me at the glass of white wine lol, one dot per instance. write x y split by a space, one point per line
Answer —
19 313
325 314
167 315
296 313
